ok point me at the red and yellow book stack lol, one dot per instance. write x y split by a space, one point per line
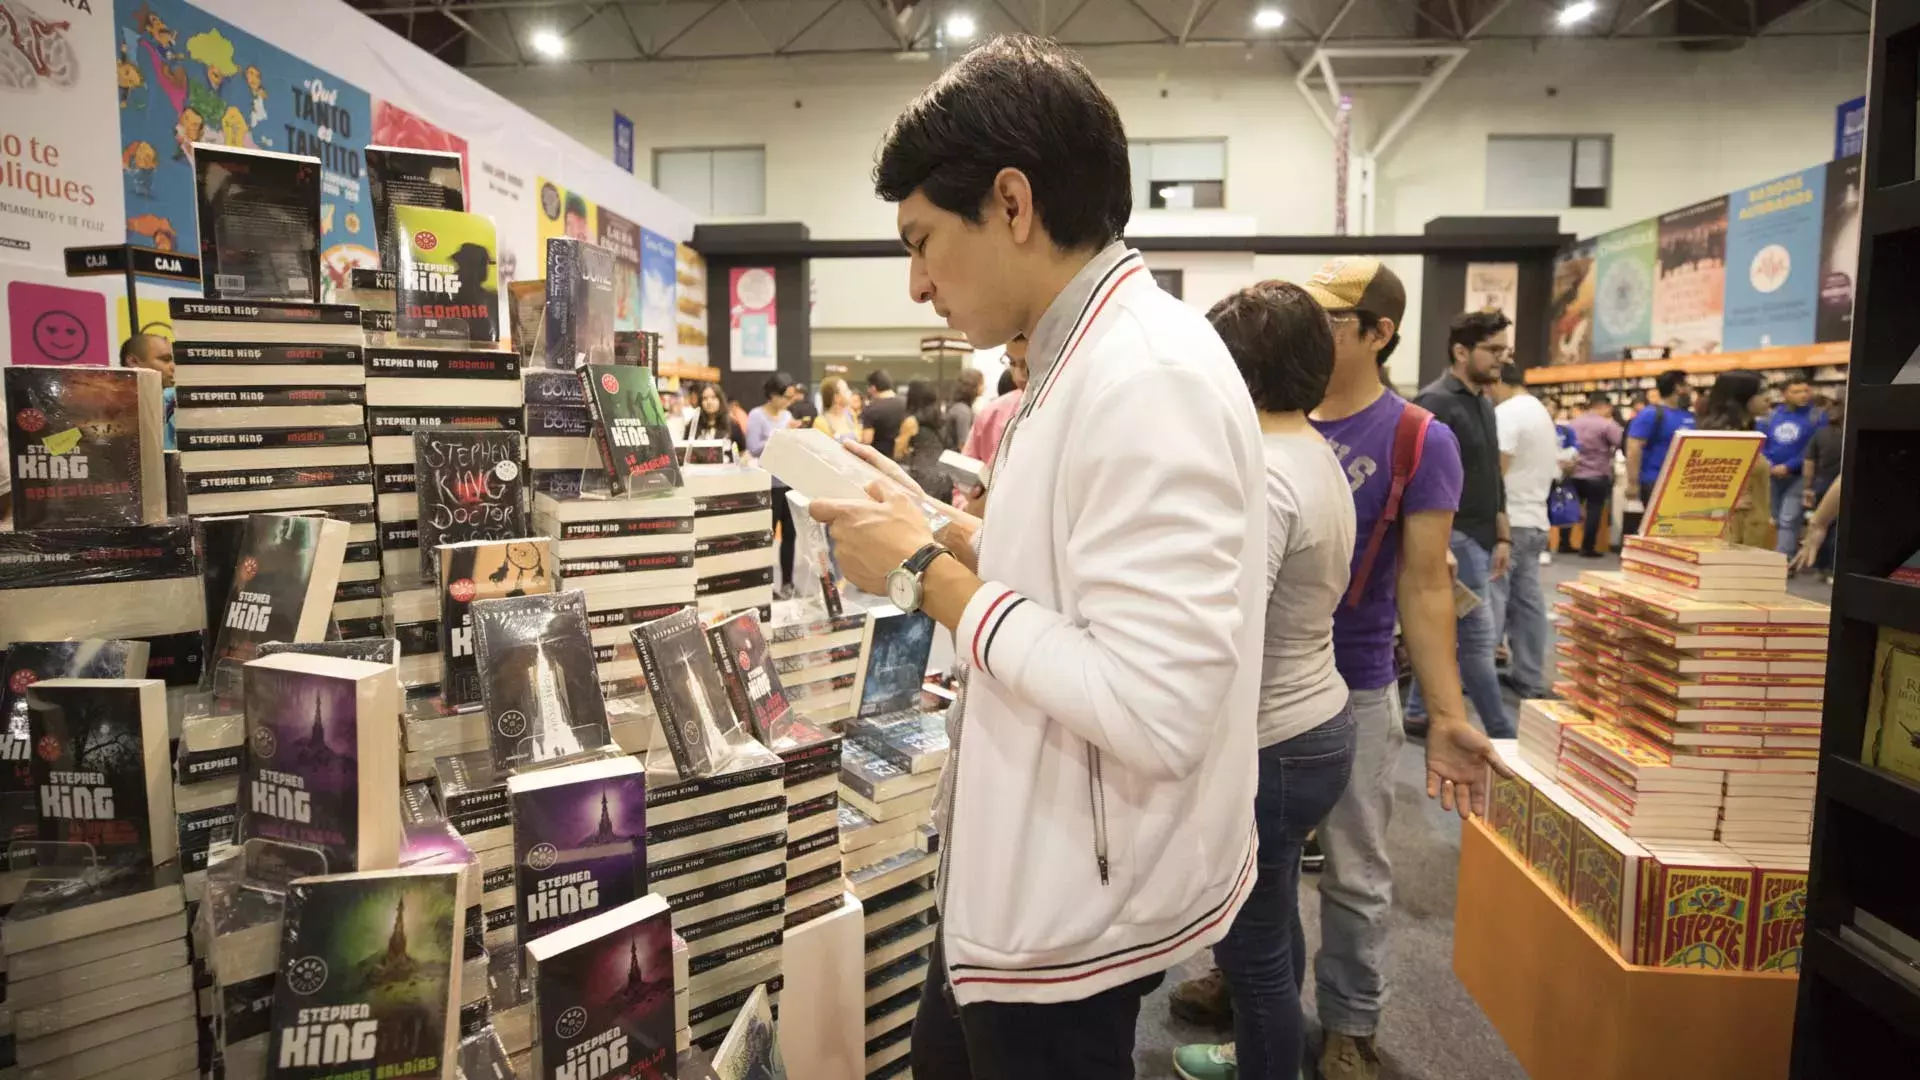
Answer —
1542 730
1591 658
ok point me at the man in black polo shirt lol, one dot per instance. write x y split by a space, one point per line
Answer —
1478 343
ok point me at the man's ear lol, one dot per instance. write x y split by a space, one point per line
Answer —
1011 201
1386 328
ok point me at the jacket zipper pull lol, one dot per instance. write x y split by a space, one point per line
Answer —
1103 870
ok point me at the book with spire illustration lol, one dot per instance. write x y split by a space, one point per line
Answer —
579 841
482 570
369 976
604 988
323 749
687 692
537 678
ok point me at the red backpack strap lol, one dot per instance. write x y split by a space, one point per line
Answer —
1409 442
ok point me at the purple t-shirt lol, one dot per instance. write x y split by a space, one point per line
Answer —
1363 635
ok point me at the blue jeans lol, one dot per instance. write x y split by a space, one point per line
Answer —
1520 613
1264 954
1474 644
1787 511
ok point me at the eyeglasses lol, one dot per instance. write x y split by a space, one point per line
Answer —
1498 352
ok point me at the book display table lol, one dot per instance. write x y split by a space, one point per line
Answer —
1570 1009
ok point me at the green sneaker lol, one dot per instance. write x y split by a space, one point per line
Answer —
1203 1061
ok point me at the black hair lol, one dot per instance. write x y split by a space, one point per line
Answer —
1006 382
1015 102
1726 408
1281 342
923 401
1369 323
1472 328
135 347
1596 400
1513 375
878 379
1798 378
777 383
1669 381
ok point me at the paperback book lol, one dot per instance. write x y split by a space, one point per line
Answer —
751 1049
753 687
400 176
605 991
259 215
323 755
688 695
370 650
482 570
369 976
101 770
896 661
30 662
580 304
469 486
538 681
448 287
284 577
630 428
579 841
86 446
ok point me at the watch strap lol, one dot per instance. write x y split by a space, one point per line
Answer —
918 562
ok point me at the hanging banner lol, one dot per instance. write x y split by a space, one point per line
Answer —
1623 300
57 169
1839 250
1495 287
622 237
1850 128
203 80
622 141
690 307
656 284
1689 292
1570 311
1773 261
751 319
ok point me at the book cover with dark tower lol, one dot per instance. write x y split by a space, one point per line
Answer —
538 679
369 976
482 570
100 768
579 841
604 989
687 692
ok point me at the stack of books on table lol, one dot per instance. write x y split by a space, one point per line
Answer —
372 291
818 658
432 731
631 557
1589 661
814 883
733 529
206 792
1638 787
474 800
717 850
1704 569
1542 731
901 917
410 614
237 931
885 791
559 431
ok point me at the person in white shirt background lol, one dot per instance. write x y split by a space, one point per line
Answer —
1530 458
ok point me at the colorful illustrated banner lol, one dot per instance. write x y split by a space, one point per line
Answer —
187 77
1623 306
690 307
622 237
1773 261
656 284
1839 250
562 213
1690 291
751 321
56 167
1570 312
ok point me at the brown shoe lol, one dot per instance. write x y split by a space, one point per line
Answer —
1203 1001
1349 1057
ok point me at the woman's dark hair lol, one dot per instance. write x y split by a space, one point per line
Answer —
1726 407
968 384
1005 386
1281 341
1015 102
923 401
777 383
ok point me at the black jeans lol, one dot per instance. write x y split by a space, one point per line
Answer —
1594 493
1074 1040
783 521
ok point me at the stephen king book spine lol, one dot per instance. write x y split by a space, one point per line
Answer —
482 570
469 486
100 768
537 677
200 353
86 446
579 846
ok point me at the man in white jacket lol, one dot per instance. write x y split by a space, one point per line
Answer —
1097 809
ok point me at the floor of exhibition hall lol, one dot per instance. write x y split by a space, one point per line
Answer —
1432 1030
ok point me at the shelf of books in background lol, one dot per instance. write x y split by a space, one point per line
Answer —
1668 795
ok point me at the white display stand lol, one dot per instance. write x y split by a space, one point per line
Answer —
823 1001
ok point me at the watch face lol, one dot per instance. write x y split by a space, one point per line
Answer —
903 588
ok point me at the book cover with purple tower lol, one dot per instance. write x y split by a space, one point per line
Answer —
605 993
579 838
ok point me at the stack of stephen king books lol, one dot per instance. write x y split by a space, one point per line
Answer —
633 558
818 657
733 530
559 430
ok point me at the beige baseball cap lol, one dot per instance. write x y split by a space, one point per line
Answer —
1346 284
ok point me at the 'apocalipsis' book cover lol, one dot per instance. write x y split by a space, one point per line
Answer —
449 288
482 570
470 487
579 841
86 446
604 989
630 427
100 767
369 976
538 680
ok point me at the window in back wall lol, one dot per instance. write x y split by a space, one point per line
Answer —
715 182
1178 174
1549 172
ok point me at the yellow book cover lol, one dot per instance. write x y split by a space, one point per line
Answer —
1550 842
1892 740
1779 921
1696 916
1602 876
1703 476
1508 809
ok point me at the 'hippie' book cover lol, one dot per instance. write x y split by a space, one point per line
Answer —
482 570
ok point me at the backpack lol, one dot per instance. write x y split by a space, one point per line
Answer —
1409 442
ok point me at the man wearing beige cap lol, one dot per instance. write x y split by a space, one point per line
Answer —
1404 469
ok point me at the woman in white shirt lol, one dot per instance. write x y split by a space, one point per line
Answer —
1283 345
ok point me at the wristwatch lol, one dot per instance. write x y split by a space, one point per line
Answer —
906 582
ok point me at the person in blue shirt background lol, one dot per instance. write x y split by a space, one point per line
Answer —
1789 430
155 353
1651 430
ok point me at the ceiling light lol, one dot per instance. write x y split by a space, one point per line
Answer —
1576 12
960 26
1269 19
548 43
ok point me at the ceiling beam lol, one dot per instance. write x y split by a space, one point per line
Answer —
787 46
1485 20
1338 18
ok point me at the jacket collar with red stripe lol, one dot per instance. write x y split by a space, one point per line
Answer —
1060 327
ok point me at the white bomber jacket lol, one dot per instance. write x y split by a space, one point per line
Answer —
1098 807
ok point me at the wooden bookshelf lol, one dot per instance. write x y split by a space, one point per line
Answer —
1853 1019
